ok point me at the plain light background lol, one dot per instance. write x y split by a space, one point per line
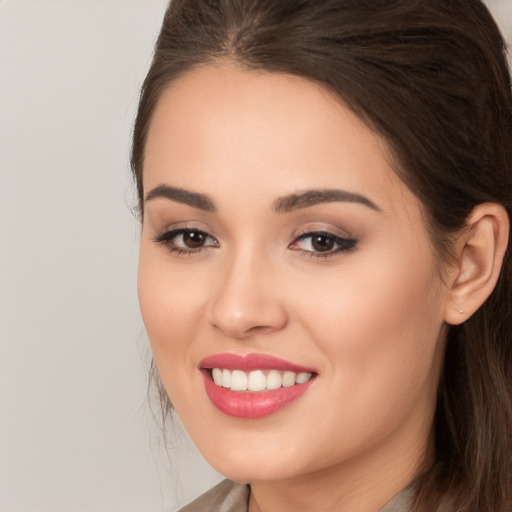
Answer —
76 433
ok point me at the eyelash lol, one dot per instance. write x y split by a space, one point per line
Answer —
343 244
167 239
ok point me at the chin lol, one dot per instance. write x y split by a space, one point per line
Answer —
251 471
266 460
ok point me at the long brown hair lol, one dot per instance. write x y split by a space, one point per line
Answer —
431 77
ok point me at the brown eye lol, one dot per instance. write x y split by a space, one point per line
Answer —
194 239
322 243
186 241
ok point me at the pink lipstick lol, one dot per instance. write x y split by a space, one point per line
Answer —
254 385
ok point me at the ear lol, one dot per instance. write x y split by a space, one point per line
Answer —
479 256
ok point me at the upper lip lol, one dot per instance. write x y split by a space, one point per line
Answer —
249 362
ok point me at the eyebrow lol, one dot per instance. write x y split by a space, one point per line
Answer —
313 197
283 204
179 195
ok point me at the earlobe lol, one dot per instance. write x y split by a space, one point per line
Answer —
479 252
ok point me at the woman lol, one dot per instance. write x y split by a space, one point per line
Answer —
325 193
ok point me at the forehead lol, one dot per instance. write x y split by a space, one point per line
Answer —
220 129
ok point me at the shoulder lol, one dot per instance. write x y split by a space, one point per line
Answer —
402 502
227 496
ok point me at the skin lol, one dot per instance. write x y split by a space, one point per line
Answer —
370 320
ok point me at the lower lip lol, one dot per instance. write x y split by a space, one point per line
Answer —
249 405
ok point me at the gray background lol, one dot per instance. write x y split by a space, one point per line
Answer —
76 433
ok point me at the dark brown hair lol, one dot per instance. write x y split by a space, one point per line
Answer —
431 77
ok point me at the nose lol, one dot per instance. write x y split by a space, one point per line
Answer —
246 299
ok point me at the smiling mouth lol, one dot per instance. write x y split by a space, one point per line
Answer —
253 386
258 380
249 395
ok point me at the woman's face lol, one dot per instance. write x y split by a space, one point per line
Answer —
277 240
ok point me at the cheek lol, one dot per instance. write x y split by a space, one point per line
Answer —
385 291
170 301
378 322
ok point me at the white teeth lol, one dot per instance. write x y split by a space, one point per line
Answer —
289 379
226 379
238 380
217 376
257 380
274 380
302 378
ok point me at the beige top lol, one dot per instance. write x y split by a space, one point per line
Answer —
229 496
